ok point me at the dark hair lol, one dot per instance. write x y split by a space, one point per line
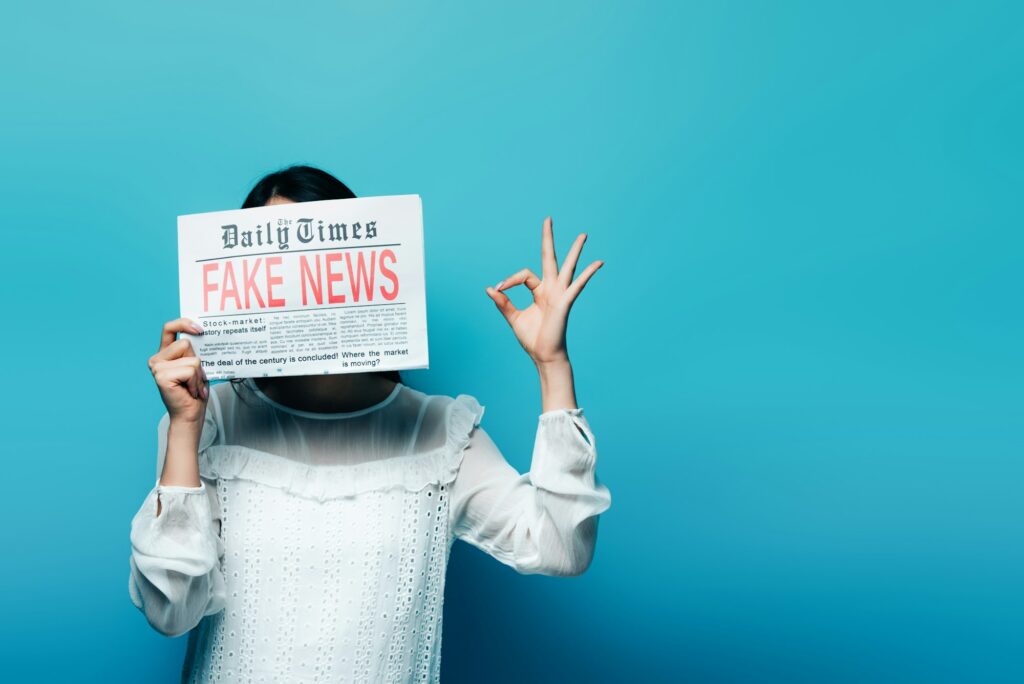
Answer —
301 183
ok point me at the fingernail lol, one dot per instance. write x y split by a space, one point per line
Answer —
498 286
206 392
198 328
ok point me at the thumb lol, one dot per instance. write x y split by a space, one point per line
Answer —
504 304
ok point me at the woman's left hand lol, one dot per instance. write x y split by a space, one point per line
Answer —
540 327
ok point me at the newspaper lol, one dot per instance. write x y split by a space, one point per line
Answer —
307 288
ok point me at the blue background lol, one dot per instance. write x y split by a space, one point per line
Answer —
801 359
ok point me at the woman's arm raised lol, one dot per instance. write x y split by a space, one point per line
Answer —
544 521
175 576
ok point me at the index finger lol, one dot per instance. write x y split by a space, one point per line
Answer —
172 328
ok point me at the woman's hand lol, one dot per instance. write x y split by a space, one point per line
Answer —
179 375
540 327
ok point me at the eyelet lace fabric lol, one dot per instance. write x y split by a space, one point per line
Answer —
315 550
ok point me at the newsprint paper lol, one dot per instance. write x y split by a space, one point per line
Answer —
306 288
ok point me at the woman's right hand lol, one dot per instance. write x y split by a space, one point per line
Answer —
179 374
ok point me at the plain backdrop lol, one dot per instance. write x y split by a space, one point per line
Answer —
801 359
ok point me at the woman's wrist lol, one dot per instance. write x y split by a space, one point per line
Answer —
556 385
184 429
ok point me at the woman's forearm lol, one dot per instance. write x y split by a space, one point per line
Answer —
181 464
556 385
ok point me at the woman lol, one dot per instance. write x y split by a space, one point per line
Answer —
300 527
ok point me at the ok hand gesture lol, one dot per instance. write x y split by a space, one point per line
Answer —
540 327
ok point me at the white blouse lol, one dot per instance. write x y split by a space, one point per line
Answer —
315 547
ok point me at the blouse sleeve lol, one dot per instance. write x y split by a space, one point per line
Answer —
175 573
540 522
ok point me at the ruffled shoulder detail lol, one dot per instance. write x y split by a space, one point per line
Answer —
464 414
323 482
